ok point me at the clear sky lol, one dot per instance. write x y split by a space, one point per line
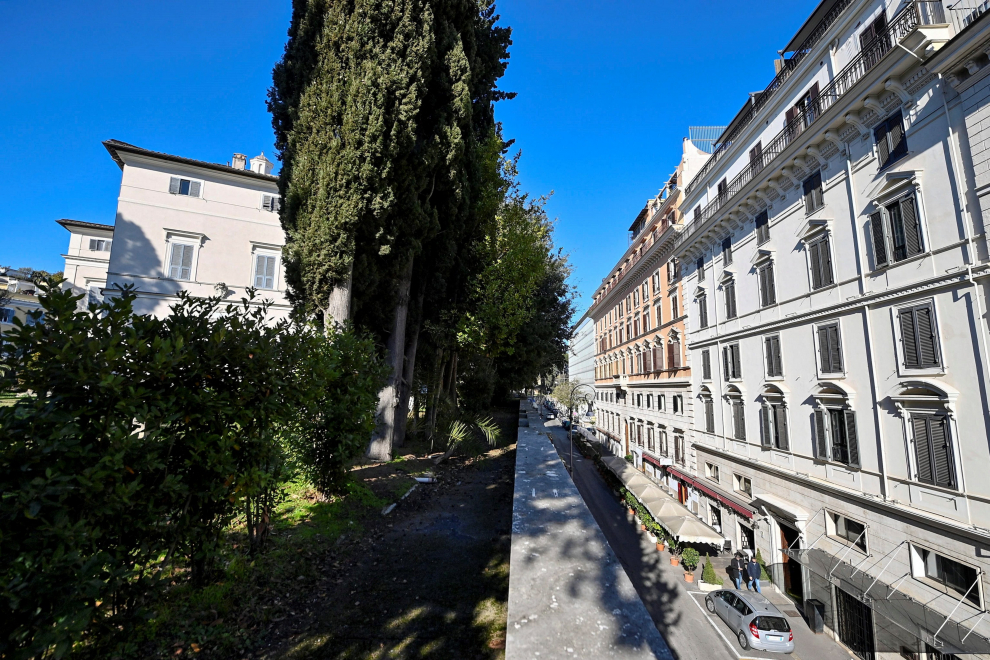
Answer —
606 90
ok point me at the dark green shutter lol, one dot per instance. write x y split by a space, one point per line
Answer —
771 288
740 430
895 132
819 444
852 439
823 350
726 368
816 265
912 232
941 452
766 437
879 239
909 340
825 259
736 367
927 345
780 425
883 147
922 448
709 415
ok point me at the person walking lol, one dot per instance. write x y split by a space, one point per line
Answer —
754 570
736 567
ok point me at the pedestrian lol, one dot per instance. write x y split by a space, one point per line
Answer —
754 571
736 568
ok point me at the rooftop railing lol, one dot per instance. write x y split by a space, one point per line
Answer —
914 14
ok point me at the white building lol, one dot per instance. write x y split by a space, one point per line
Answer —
185 225
88 257
835 266
581 354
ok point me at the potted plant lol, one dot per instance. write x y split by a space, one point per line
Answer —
710 581
675 550
690 557
661 538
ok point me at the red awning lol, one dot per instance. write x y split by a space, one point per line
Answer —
653 461
738 507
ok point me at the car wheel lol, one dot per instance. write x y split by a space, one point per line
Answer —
710 604
743 640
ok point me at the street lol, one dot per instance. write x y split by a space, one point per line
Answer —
679 614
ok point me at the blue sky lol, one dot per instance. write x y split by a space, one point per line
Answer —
606 90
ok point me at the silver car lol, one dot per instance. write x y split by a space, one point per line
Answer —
757 623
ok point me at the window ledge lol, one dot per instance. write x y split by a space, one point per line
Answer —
906 372
827 376
826 287
894 264
774 379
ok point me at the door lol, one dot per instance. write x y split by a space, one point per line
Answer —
874 42
792 570
855 624
682 492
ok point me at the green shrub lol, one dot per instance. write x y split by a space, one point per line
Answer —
708 572
763 567
690 558
133 443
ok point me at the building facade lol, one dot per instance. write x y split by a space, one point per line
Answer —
19 299
834 263
184 225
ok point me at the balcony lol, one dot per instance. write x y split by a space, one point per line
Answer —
906 28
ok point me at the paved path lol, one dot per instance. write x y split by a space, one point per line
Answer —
676 607
568 595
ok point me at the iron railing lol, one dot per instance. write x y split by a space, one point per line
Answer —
914 14
963 12
790 65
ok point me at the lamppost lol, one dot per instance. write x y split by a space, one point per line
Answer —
570 427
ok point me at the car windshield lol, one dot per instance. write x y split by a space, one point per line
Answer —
773 623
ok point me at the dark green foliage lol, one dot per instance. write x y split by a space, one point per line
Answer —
133 444
708 573
763 567
690 558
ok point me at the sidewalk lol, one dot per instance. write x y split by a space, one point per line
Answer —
569 596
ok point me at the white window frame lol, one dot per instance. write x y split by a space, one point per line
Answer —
818 350
763 346
899 342
274 196
816 233
191 180
901 185
174 237
711 472
831 531
90 239
918 573
737 482
907 417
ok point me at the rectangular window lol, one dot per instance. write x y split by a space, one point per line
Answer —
933 450
674 310
848 530
768 293
264 271
821 263
775 368
659 313
271 203
919 343
890 140
722 189
836 438
756 157
709 414
99 245
730 362
762 228
896 231
186 187
957 578
703 311
773 426
180 261
814 197
636 298
646 320
6 315
700 267
711 471
726 252
706 364
830 349
729 291
742 484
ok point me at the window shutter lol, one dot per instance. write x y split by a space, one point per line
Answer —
266 202
909 341
813 94
736 368
730 300
725 362
768 349
927 345
670 357
703 311
762 227
825 262
657 359
175 261
909 220
740 422
789 116
709 415
756 157
778 366
187 255
883 147
648 358
676 347
259 272
824 354
771 287
173 185
726 251
922 448
820 441
852 438
879 239
766 439
706 365
898 142
270 272
780 425
835 350
816 265
941 451
194 188
809 186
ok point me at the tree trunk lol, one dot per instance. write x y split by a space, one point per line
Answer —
405 387
434 397
339 303
453 381
380 447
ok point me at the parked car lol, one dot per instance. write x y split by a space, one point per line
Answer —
550 415
756 622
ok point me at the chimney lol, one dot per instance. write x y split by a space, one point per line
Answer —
261 165
239 162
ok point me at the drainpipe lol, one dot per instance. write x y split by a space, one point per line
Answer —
868 325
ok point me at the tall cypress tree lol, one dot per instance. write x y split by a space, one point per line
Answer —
380 108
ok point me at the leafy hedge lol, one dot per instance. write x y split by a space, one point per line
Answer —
135 441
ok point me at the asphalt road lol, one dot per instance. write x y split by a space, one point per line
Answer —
690 631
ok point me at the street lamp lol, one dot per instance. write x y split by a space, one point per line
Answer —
570 427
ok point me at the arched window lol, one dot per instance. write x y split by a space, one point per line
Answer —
928 411
674 350
735 399
773 419
708 405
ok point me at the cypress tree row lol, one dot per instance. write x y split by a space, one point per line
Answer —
393 179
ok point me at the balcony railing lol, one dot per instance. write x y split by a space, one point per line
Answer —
790 65
916 13
963 12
